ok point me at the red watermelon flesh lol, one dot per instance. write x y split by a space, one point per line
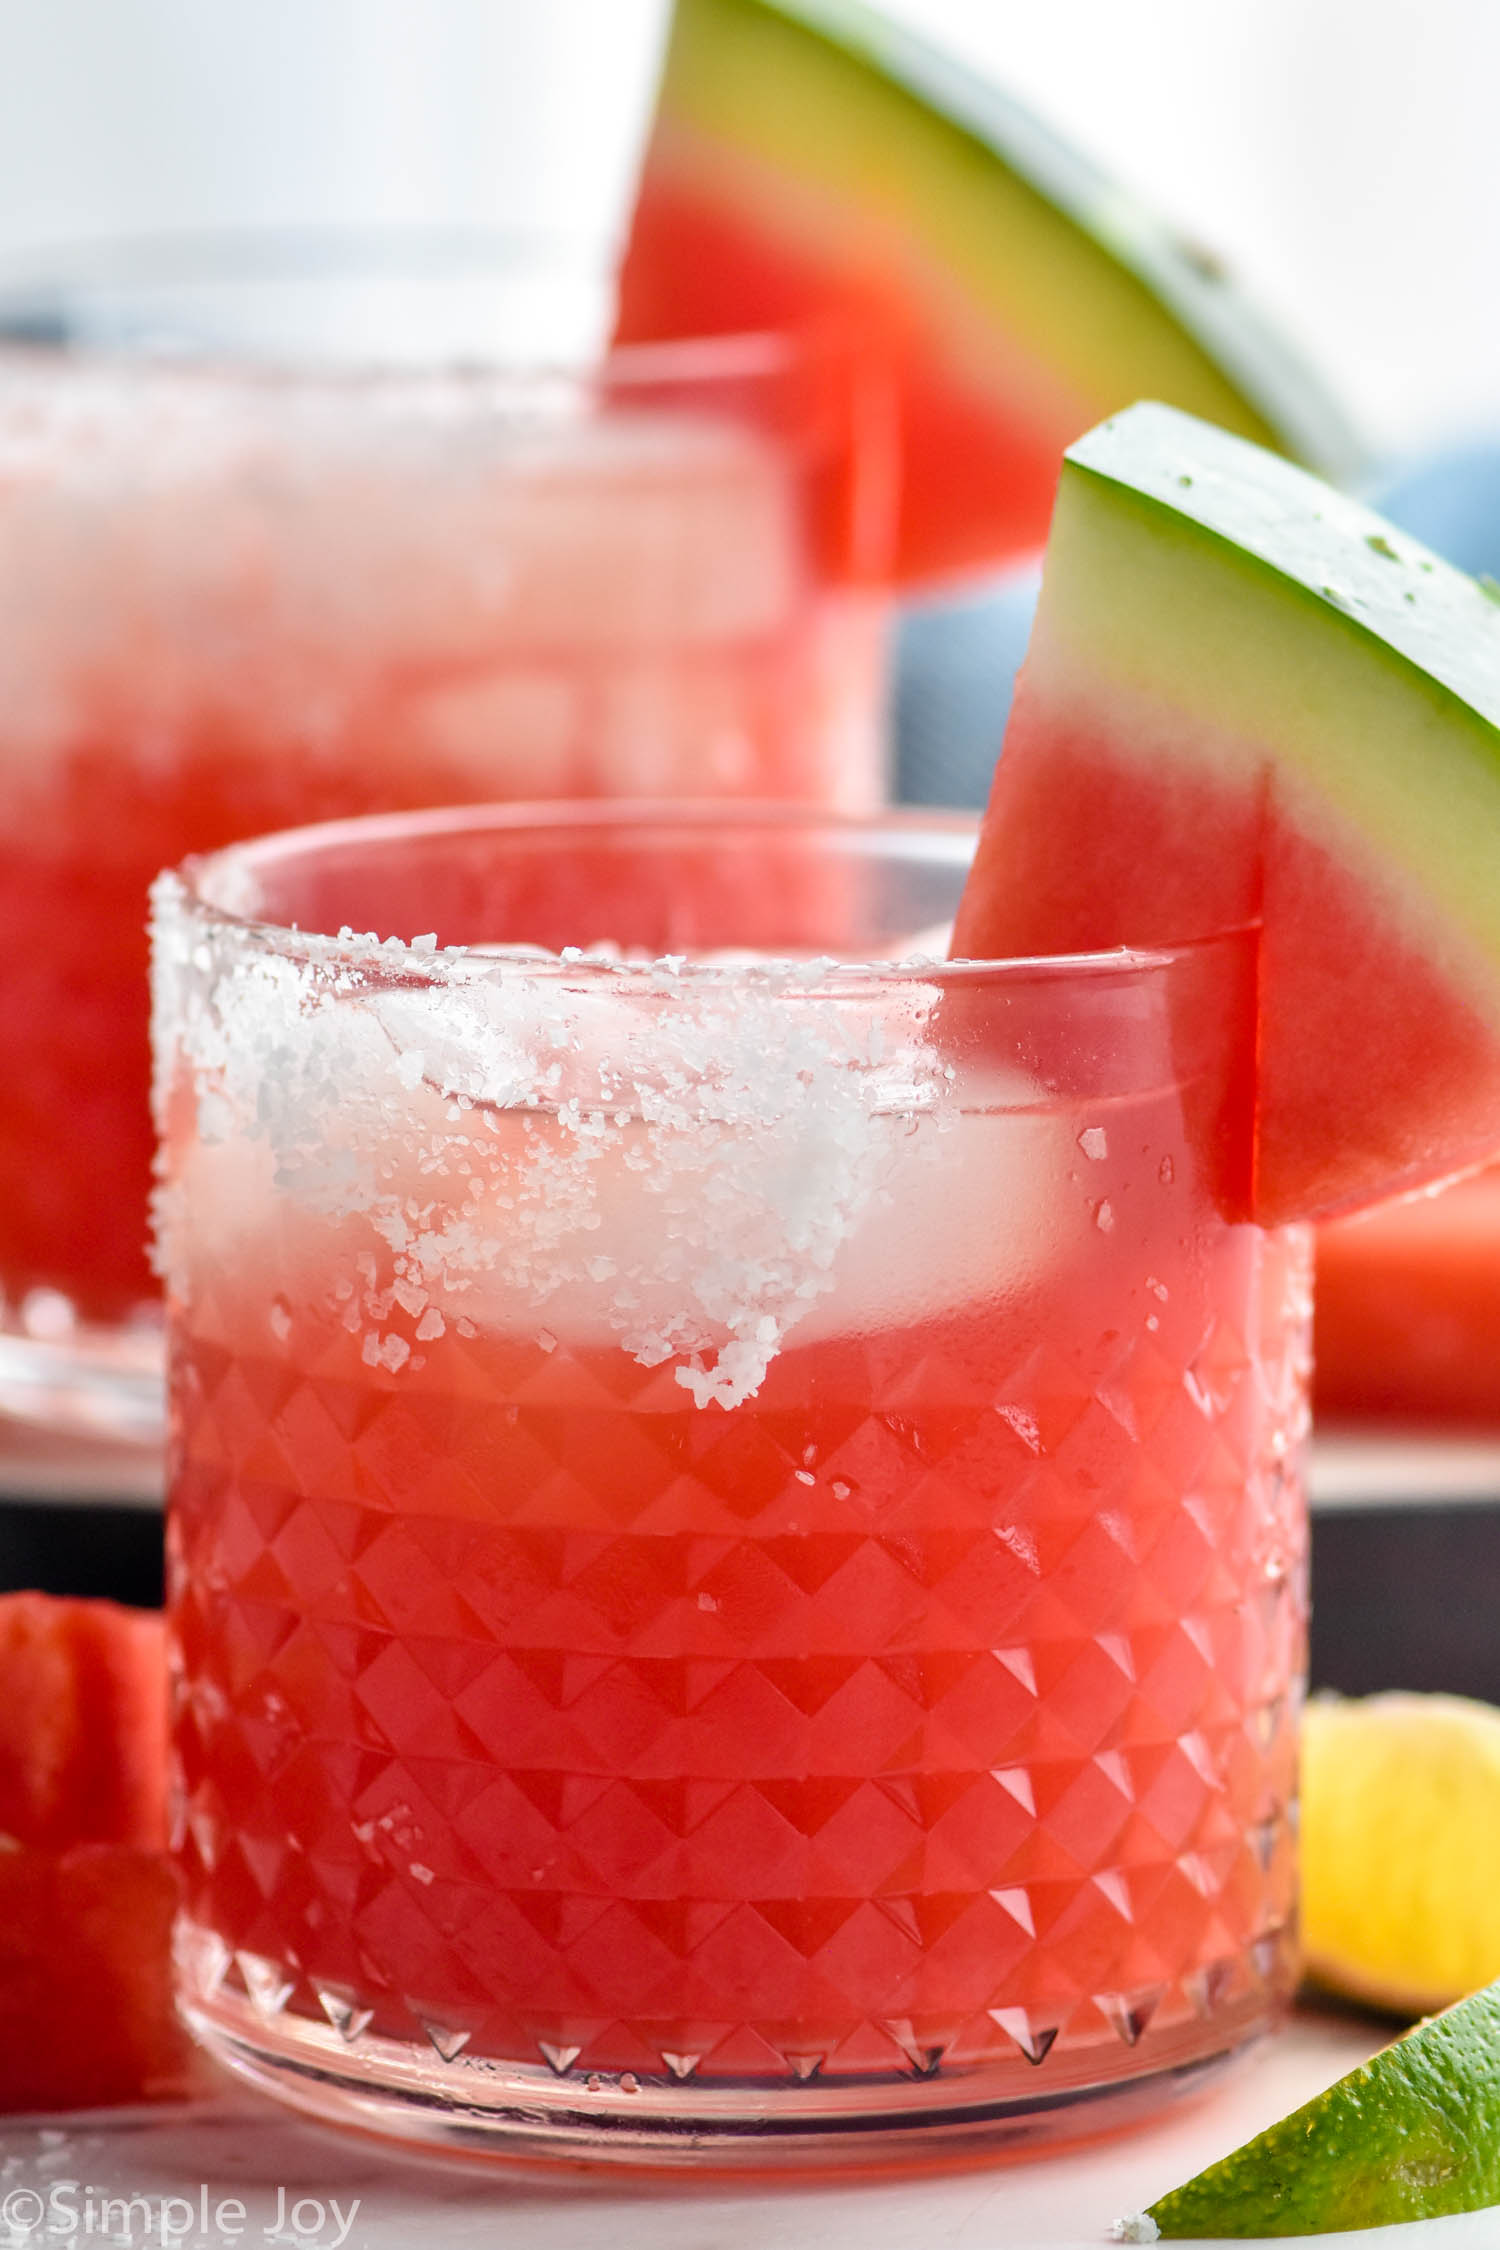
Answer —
1408 1311
978 473
1246 698
811 159
86 2015
83 1724
87 1892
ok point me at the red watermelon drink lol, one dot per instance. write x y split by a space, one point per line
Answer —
735 1542
234 601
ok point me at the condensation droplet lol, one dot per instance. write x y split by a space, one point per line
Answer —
1166 1171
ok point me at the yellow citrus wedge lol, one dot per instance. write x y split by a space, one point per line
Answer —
1412 2134
1401 1848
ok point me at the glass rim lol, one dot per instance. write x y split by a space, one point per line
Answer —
940 837
750 355
38 284
192 255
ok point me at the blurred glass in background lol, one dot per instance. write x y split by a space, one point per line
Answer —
233 603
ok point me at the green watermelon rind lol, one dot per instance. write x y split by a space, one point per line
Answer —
1347 550
1425 670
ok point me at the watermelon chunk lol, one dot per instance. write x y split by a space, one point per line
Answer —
83 1724
1407 1322
87 1892
1247 698
809 158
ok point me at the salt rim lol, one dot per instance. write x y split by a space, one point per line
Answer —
349 948
683 1178
352 948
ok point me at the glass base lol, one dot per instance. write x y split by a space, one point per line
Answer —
81 1381
519 2111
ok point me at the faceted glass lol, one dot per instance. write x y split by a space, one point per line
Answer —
736 1544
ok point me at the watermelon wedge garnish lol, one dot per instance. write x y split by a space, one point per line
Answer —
809 158
1248 698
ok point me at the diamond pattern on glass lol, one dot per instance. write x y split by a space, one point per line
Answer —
847 1736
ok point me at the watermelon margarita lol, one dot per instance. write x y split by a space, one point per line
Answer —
236 601
735 1540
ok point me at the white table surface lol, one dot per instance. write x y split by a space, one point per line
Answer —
236 2146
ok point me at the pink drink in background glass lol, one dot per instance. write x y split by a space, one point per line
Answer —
735 1534
230 601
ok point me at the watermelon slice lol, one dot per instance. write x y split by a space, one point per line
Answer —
87 1893
809 158
1247 698
1407 1322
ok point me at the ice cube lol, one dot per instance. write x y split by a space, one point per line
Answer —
710 1172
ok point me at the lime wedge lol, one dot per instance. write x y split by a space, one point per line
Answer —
1412 2134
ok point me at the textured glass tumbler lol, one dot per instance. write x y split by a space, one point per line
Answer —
735 1538
233 598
